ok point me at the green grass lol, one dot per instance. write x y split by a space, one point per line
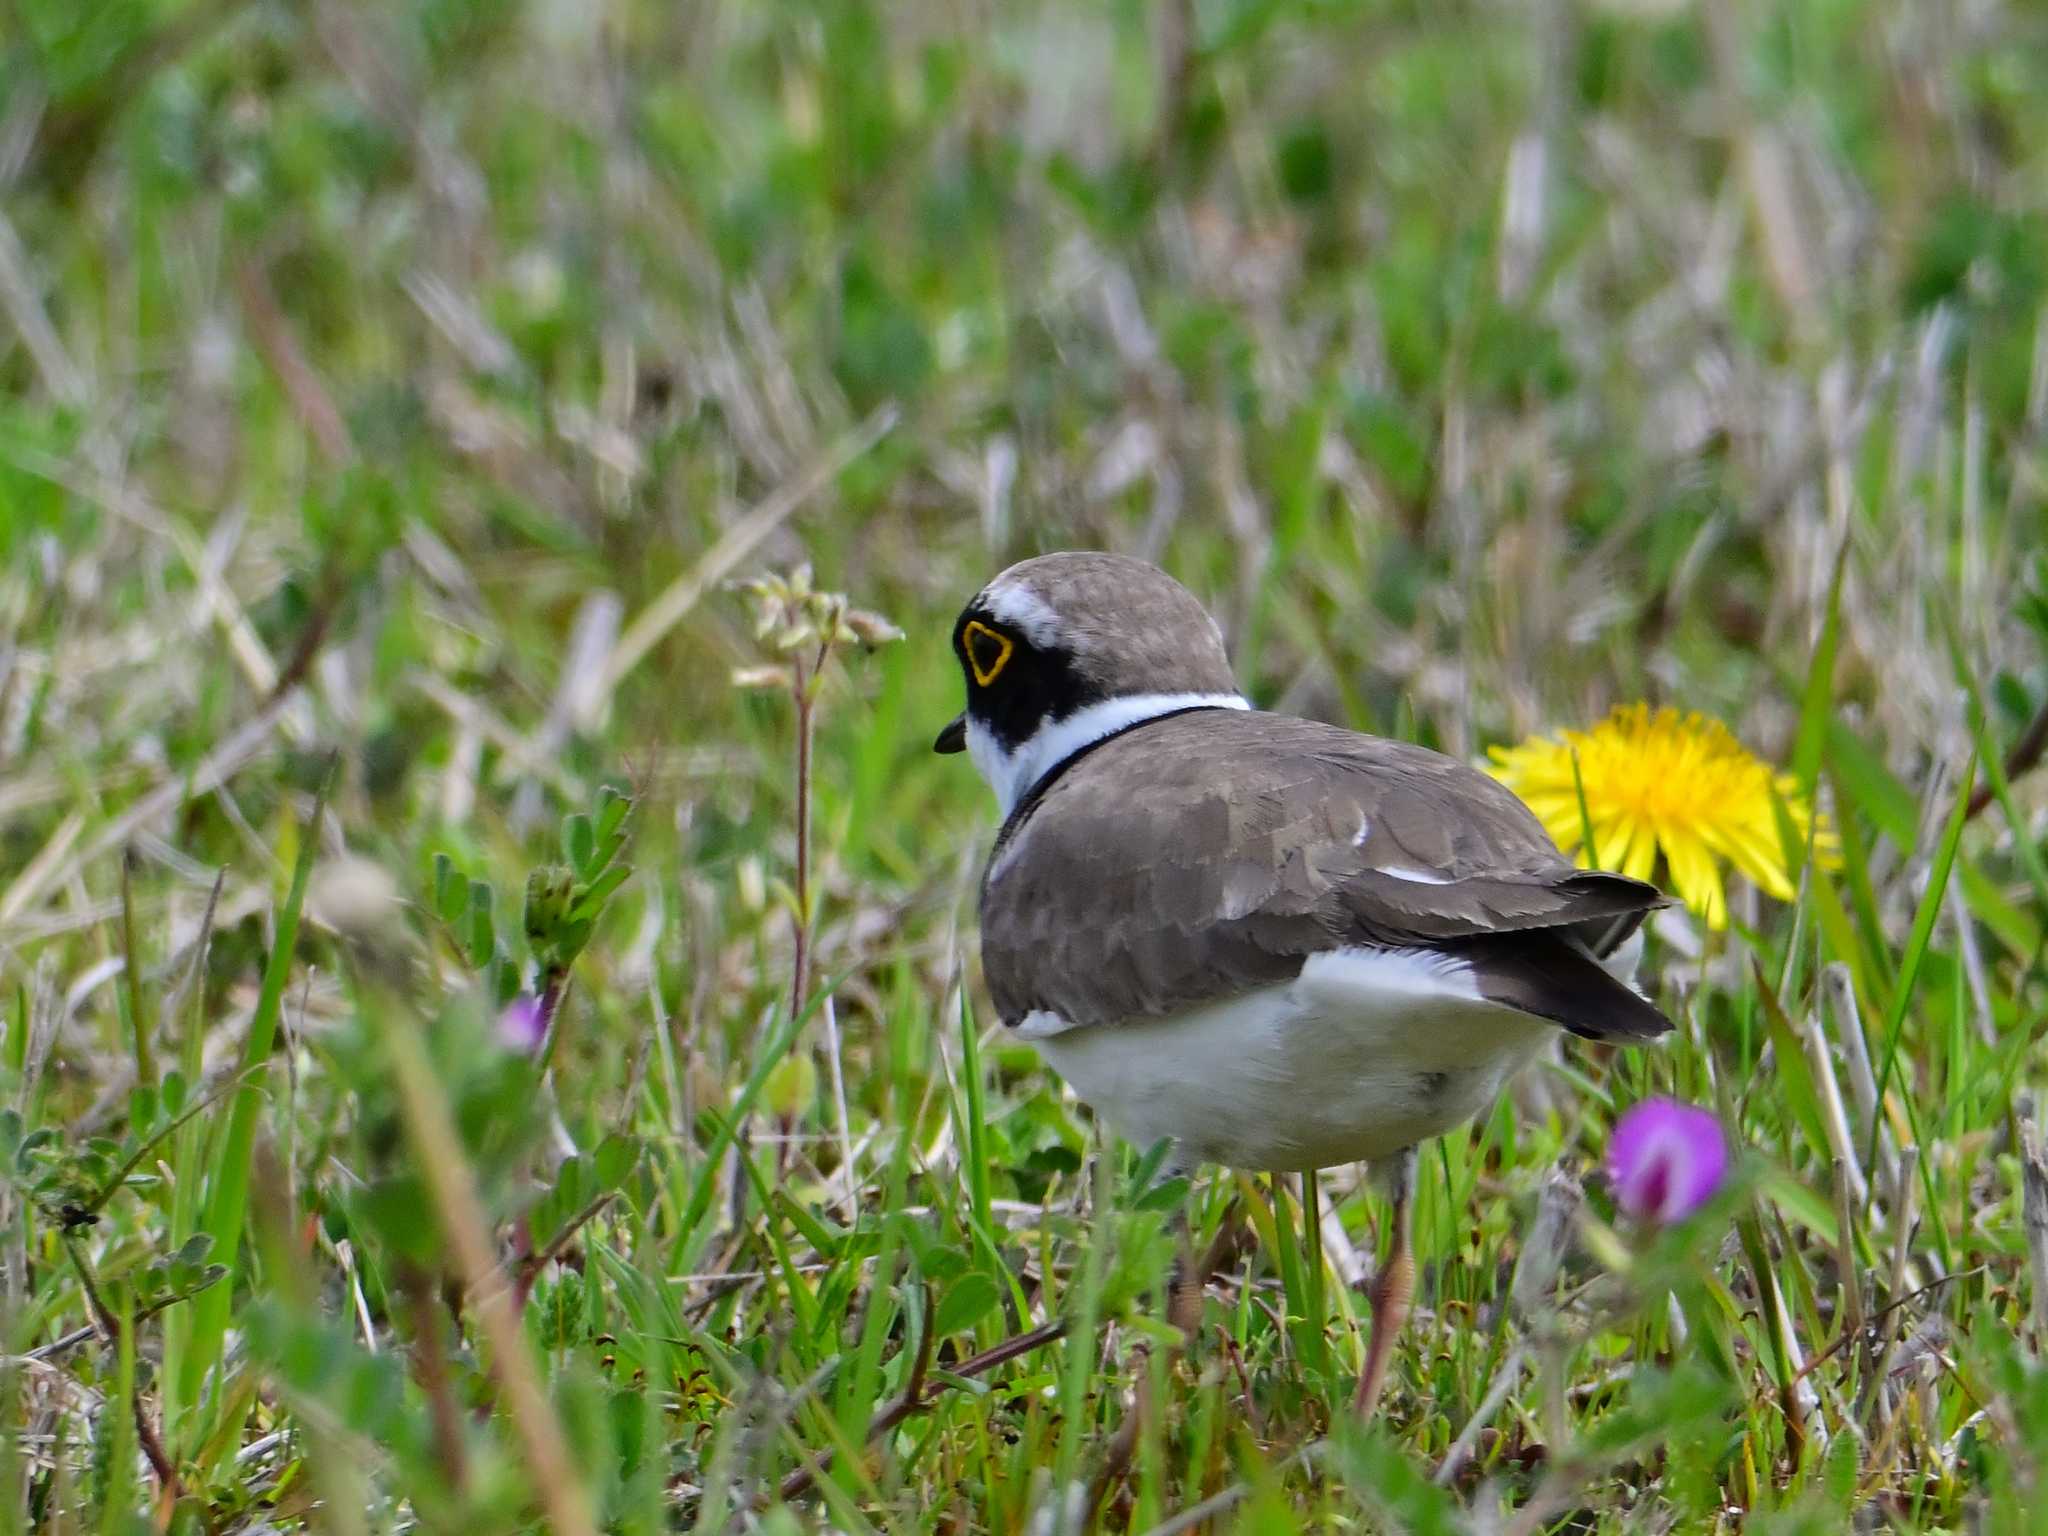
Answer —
389 396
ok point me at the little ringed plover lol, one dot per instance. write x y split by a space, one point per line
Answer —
1280 944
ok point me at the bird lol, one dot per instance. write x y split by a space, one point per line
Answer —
1275 943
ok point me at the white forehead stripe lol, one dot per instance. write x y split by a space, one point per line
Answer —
1015 604
1011 774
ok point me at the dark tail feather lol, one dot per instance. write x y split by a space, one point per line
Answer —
1548 975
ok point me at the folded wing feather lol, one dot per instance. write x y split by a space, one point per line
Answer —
1210 853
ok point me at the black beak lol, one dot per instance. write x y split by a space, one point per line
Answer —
954 737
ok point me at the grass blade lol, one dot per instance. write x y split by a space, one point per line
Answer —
1916 943
1816 707
227 1204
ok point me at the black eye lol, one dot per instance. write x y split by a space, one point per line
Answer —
988 651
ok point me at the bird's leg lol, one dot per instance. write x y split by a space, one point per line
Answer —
1191 1275
1392 1288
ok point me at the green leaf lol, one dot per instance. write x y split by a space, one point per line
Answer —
1146 1169
1376 1467
2015 927
1841 1472
314 1357
1816 709
611 812
398 1210
608 849
967 1301
579 842
592 900
1872 786
826 1239
613 1163
482 931
1165 1195
1664 1406
937 1258
450 894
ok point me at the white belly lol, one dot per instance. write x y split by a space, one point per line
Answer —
1365 1053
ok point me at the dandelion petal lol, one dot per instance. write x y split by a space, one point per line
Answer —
1679 784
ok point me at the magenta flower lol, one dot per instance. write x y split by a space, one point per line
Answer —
522 1026
1665 1160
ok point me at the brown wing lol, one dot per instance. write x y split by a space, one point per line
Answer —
1209 853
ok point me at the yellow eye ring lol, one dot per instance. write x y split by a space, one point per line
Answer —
985 674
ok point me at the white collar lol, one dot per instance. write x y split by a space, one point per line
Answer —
1011 774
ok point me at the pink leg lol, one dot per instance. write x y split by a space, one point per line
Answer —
1392 1289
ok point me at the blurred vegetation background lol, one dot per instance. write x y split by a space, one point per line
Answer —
391 392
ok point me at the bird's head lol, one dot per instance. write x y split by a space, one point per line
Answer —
1061 651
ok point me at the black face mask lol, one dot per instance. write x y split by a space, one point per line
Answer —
1013 686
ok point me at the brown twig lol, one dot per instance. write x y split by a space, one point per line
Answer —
2025 754
1235 1356
922 1364
306 649
913 1399
1123 1445
77 1336
576 1223
528 1263
523 1267
279 347
1850 1335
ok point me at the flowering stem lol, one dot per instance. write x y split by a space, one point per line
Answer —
803 689
800 918
554 983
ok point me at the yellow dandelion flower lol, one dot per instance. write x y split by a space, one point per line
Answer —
1662 782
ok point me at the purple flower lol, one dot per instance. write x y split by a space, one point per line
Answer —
1665 1160
523 1026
